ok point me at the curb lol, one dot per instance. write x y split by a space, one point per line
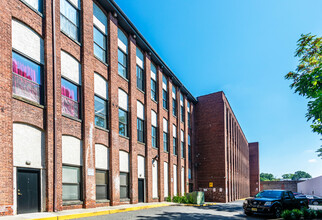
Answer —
107 212
206 204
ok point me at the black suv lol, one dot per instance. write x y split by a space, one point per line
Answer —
273 202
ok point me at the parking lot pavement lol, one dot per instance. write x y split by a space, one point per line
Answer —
231 210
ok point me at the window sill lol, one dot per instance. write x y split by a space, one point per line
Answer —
27 101
125 200
156 102
75 41
165 109
139 142
122 136
155 148
102 201
140 90
72 202
166 152
72 118
101 61
155 198
103 129
123 78
32 8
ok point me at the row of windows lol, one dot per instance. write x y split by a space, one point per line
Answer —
70 25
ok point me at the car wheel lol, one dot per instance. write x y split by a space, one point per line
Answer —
315 203
277 211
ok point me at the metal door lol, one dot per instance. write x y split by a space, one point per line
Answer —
28 191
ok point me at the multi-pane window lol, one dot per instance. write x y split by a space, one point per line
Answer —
70 98
174 130
153 83
164 92
189 114
102 171
165 135
140 122
71 183
174 101
124 175
123 113
124 185
101 184
182 143
139 69
70 85
69 18
122 54
35 4
27 63
181 107
101 101
100 33
154 129
189 149
100 112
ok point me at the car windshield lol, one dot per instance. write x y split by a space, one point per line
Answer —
269 194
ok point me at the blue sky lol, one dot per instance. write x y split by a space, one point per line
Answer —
243 48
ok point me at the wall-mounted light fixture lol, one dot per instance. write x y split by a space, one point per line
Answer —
115 15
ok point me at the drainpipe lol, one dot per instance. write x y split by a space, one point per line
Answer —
54 103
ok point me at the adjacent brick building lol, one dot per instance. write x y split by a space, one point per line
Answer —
91 116
223 157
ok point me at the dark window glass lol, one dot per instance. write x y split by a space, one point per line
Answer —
165 99
122 63
100 44
189 153
174 109
27 78
182 149
71 183
154 137
165 142
175 146
124 185
70 98
140 130
123 127
100 112
101 184
153 90
189 119
69 19
139 78
182 113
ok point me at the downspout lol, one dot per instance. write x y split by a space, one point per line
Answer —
54 104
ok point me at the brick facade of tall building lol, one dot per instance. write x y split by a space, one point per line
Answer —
91 116
222 151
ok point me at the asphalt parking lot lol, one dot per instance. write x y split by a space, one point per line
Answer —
231 210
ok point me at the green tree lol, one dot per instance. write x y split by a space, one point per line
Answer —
267 177
300 174
307 78
287 176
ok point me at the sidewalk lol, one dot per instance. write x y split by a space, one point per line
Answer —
81 213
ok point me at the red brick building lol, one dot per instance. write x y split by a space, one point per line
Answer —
90 115
224 159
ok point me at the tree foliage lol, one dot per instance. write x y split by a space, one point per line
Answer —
307 78
297 175
267 177
300 174
288 176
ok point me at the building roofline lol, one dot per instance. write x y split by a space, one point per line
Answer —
141 40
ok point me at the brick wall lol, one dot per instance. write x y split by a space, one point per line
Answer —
254 178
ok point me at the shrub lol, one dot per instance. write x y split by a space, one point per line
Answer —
169 199
184 199
296 214
287 214
318 213
306 213
176 199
